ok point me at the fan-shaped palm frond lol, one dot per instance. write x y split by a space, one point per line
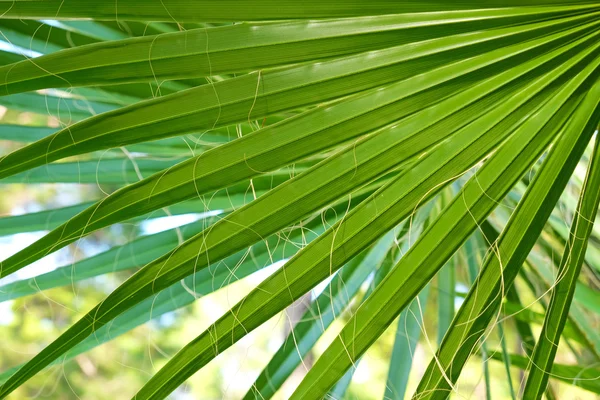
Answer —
381 142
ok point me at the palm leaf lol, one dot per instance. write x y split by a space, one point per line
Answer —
305 136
